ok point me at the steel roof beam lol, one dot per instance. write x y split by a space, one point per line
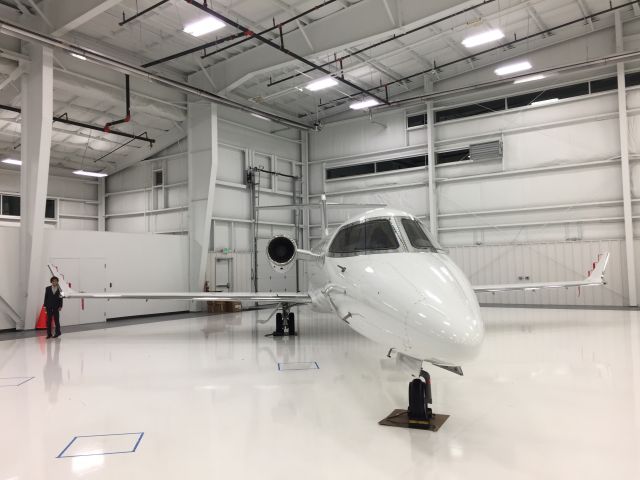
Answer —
120 66
281 48
488 50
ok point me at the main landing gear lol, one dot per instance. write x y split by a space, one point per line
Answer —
285 322
419 414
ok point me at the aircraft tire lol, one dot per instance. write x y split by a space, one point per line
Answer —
417 400
279 324
291 321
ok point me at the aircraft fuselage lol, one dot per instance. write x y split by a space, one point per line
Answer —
416 302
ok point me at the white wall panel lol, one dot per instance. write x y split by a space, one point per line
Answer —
354 137
231 166
176 169
78 224
134 263
9 288
490 264
599 183
565 144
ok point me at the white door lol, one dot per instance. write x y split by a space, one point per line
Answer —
86 275
224 274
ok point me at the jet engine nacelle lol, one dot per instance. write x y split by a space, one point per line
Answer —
281 252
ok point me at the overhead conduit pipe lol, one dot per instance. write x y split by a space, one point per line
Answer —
127 117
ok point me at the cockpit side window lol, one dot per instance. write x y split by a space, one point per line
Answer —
372 235
417 234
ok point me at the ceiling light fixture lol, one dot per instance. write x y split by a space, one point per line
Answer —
322 84
261 117
482 38
549 101
372 102
78 56
513 68
12 161
90 174
203 26
529 79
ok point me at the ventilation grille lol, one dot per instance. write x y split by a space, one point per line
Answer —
486 151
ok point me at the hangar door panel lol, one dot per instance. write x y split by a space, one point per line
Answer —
268 279
87 275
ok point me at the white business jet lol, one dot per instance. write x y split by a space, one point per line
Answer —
383 274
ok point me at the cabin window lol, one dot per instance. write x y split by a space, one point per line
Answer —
417 234
370 236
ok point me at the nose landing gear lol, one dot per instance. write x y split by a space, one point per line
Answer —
419 414
420 398
285 323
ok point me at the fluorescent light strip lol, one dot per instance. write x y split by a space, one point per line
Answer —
364 104
322 84
12 161
546 102
90 174
78 56
482 38
203 26
261 117
529 79
513 68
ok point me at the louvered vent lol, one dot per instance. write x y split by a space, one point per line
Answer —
486 151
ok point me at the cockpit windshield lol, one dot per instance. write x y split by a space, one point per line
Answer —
417 234
370 236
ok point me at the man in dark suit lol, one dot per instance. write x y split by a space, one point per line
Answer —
53 305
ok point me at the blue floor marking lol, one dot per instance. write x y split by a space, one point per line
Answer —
18 384
298 363
135 447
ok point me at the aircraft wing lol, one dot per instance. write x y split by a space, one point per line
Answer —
594 278
275 297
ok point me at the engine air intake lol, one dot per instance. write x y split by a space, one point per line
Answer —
282 253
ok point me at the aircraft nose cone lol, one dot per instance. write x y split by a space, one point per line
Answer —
444 323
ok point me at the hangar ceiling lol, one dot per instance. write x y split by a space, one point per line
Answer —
387 49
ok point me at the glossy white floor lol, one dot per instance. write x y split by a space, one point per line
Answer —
554 395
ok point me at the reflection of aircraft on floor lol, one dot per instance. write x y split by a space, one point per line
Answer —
383 274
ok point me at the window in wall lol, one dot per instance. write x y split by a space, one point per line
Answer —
632 79
452 156
157 178
401 163
369 236
11 205
604 84
350 171
50 208
470 110
416 120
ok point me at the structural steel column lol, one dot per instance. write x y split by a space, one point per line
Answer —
431 152
304 158
626 173
102 199
37 111
202 147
